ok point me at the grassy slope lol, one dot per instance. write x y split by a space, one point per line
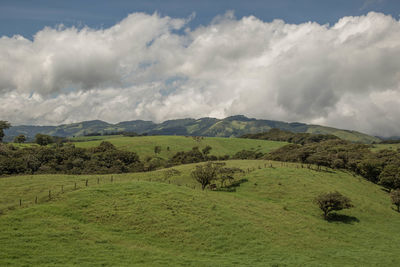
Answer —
144 145
352 136
377 147
269 220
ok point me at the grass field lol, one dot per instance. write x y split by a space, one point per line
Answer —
144 145
377 147
147 219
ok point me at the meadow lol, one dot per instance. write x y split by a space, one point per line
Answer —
156 219
378 147
170 145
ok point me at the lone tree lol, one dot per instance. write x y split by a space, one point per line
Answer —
395 196
43 139
205 174
3 125
20 139
329 202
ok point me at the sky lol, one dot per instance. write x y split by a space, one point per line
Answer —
334 63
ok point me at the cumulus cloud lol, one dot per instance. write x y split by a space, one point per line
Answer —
152 67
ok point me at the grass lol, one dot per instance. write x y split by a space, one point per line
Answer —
378 147
269 221
144 145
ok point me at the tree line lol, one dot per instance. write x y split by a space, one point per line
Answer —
290 137
67 159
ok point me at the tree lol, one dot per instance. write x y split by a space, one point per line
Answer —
3 125
205 174
395 196
157 150
43 139
20 139
329 202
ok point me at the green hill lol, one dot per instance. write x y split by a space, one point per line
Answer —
147 219
170 145
229 127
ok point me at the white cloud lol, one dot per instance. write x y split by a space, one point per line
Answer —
152 67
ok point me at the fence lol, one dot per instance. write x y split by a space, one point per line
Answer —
53 194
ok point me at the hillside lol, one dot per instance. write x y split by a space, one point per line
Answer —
229 127
170 145
147 219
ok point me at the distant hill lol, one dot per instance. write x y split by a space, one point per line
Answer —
233 126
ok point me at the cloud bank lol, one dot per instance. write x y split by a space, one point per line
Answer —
150 67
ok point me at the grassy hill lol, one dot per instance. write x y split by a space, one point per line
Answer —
377 147
229 127
148 219
144 145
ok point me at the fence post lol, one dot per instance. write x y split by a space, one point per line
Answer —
75 186
86 182
98 180
36 200
20 202
62 188
49 194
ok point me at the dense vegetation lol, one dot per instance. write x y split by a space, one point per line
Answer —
67 159
286 136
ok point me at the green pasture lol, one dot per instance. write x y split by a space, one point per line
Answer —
144 145
378 147
162 218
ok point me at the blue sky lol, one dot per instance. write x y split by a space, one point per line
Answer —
26 17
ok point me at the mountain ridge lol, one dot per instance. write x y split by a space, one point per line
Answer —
232 126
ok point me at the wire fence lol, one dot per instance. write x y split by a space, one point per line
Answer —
45 196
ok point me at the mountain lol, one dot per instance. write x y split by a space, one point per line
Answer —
229 127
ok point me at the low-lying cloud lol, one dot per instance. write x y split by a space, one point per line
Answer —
150 67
